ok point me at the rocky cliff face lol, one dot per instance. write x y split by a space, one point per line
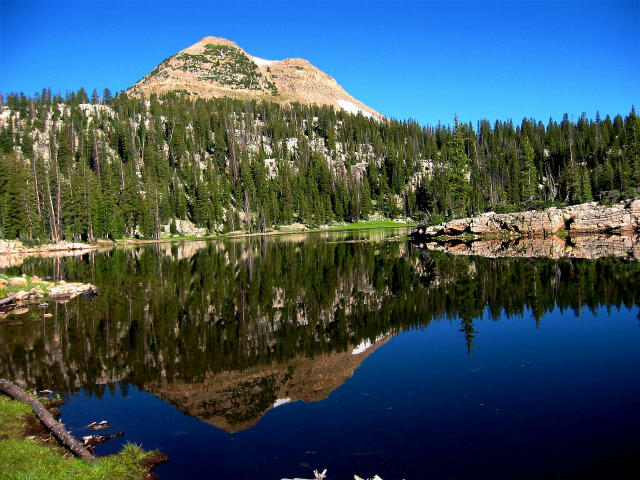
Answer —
584 218
216 67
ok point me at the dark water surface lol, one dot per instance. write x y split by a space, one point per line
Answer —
265 358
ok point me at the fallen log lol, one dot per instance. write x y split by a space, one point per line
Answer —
8 299
47 419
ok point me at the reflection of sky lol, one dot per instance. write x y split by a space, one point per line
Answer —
529 402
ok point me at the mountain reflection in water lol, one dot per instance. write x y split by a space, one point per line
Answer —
227 330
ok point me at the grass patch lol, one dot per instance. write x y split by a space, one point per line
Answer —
562 233
368 224
8 289
12 415
174 238
33 459
281 229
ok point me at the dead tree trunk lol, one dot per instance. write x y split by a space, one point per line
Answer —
8 299
47 419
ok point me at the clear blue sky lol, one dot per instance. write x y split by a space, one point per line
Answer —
422 59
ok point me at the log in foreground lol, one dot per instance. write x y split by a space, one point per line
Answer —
47 419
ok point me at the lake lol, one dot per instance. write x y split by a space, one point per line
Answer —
358 352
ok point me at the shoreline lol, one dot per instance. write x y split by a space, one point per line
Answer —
18 294
27 446
15 248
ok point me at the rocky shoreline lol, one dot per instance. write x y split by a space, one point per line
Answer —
16 247
13 252
619 218
17 294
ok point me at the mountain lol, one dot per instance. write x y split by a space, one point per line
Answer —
216 67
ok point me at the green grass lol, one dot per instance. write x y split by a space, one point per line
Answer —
364 225
279 230
33 459
4 291
174 238
12 415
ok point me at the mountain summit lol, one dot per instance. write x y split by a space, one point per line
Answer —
217 67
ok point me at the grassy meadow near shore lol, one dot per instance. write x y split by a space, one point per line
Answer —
28 451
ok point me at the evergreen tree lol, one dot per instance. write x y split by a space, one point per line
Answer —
457 173
528 173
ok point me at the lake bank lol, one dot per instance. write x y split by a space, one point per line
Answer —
18 294
12 252
27 446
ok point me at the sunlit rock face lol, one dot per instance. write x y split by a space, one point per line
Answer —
217 67
584 218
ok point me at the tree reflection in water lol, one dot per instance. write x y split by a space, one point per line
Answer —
226 329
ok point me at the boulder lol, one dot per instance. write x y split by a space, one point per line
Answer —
18 281
21 295
69 290
458 226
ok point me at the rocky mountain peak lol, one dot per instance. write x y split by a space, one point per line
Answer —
217 67
199 46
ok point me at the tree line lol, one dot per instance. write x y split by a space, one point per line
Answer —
102 166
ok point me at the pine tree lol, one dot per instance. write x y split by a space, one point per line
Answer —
528 172
457 173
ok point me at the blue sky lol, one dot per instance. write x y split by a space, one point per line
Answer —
426 60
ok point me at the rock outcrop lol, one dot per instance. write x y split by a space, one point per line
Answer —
184 228
584 218
37 290
13 247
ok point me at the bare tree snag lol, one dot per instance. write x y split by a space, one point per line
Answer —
47 419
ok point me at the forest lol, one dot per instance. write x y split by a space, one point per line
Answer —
83 167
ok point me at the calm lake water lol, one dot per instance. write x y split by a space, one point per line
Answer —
264 358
